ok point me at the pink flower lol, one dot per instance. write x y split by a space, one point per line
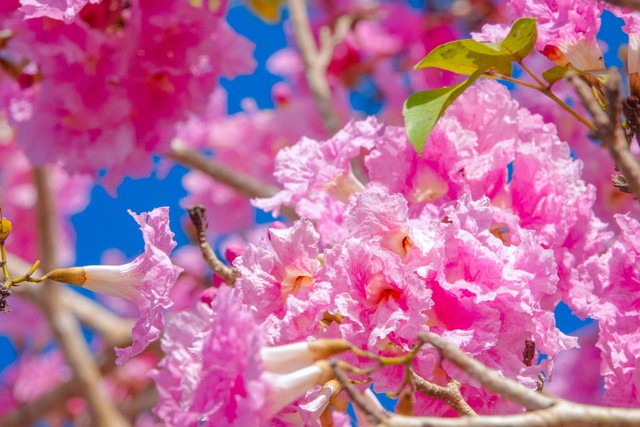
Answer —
607 289
566 29
150 279
124 74
279 282
66 10
214 372
383 305
577 371
147 280
30 377
312 166
18 201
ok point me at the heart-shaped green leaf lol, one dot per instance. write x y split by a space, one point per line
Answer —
423 109
521 39
467 57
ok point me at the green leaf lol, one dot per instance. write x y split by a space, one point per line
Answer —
554 74
467 57
521 38
423 109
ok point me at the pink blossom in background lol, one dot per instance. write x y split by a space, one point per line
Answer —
159 69
31 377
18 202
577 371
65 10
24 313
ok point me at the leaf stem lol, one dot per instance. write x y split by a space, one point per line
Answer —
546 90
3 261
504 77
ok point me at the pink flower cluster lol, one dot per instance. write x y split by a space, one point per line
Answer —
109 87
218 371
477 240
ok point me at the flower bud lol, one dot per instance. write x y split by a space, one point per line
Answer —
5 229
74 276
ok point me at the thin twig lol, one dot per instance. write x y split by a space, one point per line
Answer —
489 379
375 415
243 184
449 394
63 323
199 221
317 59
609 128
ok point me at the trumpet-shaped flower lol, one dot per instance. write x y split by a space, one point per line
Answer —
146 280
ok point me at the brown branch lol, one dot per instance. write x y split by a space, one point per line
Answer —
317 59
243 184
141 402
228 274
115 330
609 128
449 394
489 379
563 414
546 411
63 323
627 4
374 413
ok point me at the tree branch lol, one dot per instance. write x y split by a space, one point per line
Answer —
243 184
317 59
449 394
489 379
609 128
228 274
627 4
374 413
63 323
563 414
545 411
